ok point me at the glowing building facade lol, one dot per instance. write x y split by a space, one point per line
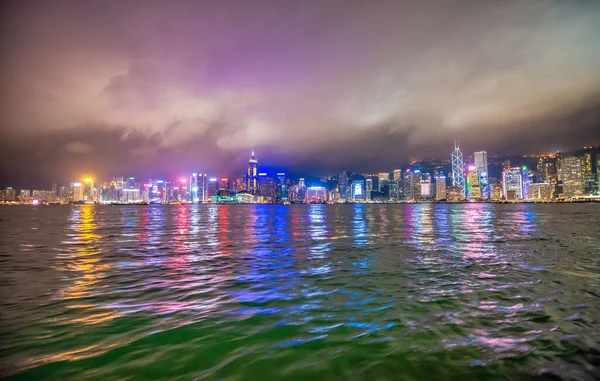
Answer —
316 194
512 182
481 165
252 175
458 170
440 188
572 176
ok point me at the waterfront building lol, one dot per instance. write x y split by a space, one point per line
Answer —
239 185
512 181
481 165
89 193
426 189
357 190
368 189
66 193
587 172
281 188
539 191
417 178
77 192
25 195
408 180
383 176
397 175
458 169
252 175
472 183
440 188
224 183
343 185
211 188
454 193
572 176
316 194
194 188
301 190
497 192
266 186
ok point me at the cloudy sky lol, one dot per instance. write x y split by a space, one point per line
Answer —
167 87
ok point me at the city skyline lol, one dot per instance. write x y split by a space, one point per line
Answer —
550 177
271 167
122 87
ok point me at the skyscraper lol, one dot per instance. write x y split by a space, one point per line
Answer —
281 188
472 183
358 190
458 169
369 189
194 188
408 185
212 187
343 185
512 182
440 188
481 164
572 176
252 175
203 187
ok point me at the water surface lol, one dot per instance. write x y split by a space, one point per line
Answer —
321 292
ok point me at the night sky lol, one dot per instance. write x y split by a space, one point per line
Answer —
162 88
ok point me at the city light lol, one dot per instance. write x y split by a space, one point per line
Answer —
88 180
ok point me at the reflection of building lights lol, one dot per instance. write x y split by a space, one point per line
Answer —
35 202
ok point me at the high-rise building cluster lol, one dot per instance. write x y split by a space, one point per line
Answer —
556 177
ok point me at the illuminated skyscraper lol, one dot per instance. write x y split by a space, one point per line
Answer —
440 188
481 163
212 188
203 187
458 169
572 176
408 181
472 183
281 188
587 171
512 182
252 175
369 189
343 185
77 192
224 183
357 190
24 195
194 188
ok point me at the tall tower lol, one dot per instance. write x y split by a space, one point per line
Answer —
458 169
481 164
252 175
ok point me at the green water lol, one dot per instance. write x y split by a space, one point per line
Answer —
322 292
